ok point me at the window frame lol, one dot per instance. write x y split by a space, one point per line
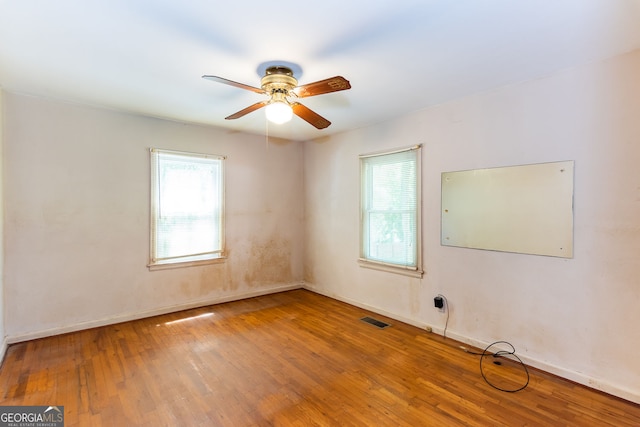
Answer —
414 270
216 256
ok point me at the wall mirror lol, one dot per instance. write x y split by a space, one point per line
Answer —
525 209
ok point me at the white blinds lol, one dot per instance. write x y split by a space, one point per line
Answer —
390 208
186 207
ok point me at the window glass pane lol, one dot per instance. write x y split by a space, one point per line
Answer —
390 208
392 238
186 206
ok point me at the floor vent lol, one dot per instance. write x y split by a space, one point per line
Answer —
374 322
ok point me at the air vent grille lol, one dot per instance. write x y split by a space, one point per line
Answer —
377 323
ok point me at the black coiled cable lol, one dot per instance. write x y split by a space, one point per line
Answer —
500 353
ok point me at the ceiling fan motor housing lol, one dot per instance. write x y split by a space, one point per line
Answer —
278 81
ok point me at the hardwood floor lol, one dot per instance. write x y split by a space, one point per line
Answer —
289 359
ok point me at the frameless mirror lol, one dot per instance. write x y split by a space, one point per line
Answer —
525 209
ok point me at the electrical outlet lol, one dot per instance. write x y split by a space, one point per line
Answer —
438 302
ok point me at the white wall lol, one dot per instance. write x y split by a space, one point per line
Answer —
77 217
575 317
3 342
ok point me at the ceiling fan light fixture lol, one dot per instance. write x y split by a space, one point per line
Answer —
279 84
278 112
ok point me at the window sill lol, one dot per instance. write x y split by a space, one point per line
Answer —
389 268
183 264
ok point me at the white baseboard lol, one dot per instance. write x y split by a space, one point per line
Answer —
148 313
577 377
358 304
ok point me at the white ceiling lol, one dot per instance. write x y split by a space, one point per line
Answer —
148 56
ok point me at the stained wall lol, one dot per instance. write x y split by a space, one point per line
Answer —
3 343
77 217
574 317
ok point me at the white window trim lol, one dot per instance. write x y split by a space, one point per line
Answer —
181 264
412 271
196 259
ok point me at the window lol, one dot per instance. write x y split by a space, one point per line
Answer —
187 208
390 216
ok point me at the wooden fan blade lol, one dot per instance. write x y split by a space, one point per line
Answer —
247 110
334 84
309 116
234 84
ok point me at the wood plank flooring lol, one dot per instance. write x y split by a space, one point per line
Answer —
289 359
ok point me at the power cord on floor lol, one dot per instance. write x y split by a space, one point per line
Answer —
486 353
500 353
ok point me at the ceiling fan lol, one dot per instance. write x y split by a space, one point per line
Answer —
280 85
